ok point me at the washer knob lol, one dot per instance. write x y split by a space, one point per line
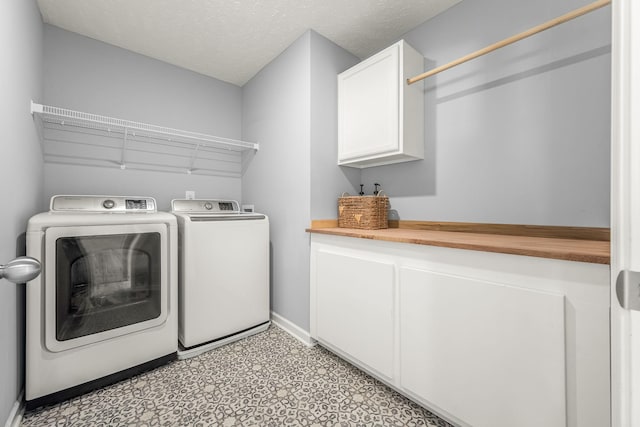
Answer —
208 206
108 204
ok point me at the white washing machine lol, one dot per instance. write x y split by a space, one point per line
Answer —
223 280
105 306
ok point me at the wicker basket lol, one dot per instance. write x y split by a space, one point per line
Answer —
364 212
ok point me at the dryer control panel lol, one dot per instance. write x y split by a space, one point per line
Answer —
214 206
121 204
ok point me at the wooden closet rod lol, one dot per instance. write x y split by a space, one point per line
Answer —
549 24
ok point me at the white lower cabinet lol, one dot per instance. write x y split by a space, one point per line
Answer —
482 339
490 354
355 308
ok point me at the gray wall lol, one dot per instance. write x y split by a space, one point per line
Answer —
328 181
86 75
66 179
518 136
290 108
277 114
20 174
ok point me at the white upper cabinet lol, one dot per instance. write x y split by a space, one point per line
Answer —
380 116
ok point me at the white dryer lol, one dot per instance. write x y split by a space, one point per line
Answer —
223 281
105 306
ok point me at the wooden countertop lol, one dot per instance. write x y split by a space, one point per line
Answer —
570 249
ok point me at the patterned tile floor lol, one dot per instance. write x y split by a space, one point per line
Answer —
269 379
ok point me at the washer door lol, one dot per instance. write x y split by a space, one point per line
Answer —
102 282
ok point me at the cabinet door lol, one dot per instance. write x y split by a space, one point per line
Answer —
368 107
493 355
354 308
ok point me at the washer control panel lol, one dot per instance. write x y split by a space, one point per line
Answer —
122 204
208 206
135 204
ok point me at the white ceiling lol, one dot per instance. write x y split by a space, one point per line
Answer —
231 40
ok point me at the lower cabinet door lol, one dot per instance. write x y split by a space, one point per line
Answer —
491 354
354 308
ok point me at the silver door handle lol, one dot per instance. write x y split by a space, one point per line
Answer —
21 269
628 289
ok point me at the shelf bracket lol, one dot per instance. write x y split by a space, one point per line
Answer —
194 156
123 166
36 111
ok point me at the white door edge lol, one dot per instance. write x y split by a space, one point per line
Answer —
625 208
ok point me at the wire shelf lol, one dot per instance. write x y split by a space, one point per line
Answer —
79 138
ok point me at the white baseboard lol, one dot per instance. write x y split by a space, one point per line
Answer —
292 329
15 416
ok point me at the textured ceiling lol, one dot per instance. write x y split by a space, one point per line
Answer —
231 40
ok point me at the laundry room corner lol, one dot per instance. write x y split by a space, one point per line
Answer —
239 213
290 107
